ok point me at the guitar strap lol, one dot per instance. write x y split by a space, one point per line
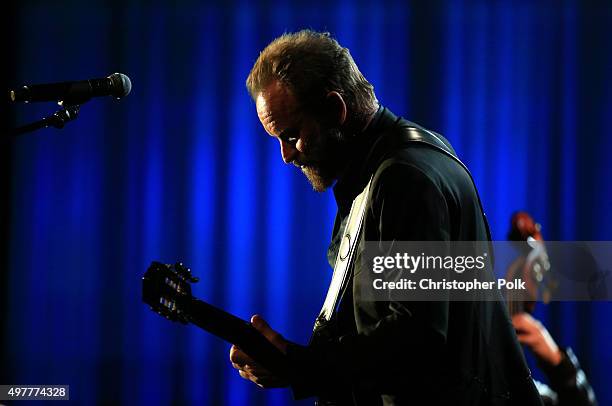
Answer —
410 135
344 258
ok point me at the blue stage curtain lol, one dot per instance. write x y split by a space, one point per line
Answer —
182 170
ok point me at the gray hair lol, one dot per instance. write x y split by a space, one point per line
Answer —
311 64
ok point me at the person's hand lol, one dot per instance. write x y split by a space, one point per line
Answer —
249 369
534 335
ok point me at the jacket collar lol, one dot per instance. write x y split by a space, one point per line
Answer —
359 168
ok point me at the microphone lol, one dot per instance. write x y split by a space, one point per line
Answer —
77 92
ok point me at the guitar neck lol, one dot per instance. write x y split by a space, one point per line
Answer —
238 332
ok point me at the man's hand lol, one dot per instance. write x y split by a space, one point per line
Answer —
534 335
249 369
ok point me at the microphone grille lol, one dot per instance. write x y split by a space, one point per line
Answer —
121 84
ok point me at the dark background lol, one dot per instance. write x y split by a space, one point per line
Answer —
182 170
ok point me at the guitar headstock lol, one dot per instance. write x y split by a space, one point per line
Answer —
523 226
167 289
534 265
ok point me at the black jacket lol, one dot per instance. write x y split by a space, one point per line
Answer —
568 383
411 353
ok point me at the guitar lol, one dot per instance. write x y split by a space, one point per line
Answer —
167 290
532 266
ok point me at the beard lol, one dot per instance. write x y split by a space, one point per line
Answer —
318 181
327 159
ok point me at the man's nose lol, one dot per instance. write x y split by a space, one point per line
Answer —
288 152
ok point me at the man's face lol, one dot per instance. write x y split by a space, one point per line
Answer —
317 151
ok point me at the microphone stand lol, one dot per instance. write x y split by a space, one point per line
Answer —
57 120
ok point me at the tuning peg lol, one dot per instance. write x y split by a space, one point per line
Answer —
185 273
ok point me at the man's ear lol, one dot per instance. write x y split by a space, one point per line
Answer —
336 108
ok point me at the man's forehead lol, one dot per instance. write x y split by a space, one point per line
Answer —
276 107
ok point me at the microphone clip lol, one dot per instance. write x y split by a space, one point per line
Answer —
57 120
